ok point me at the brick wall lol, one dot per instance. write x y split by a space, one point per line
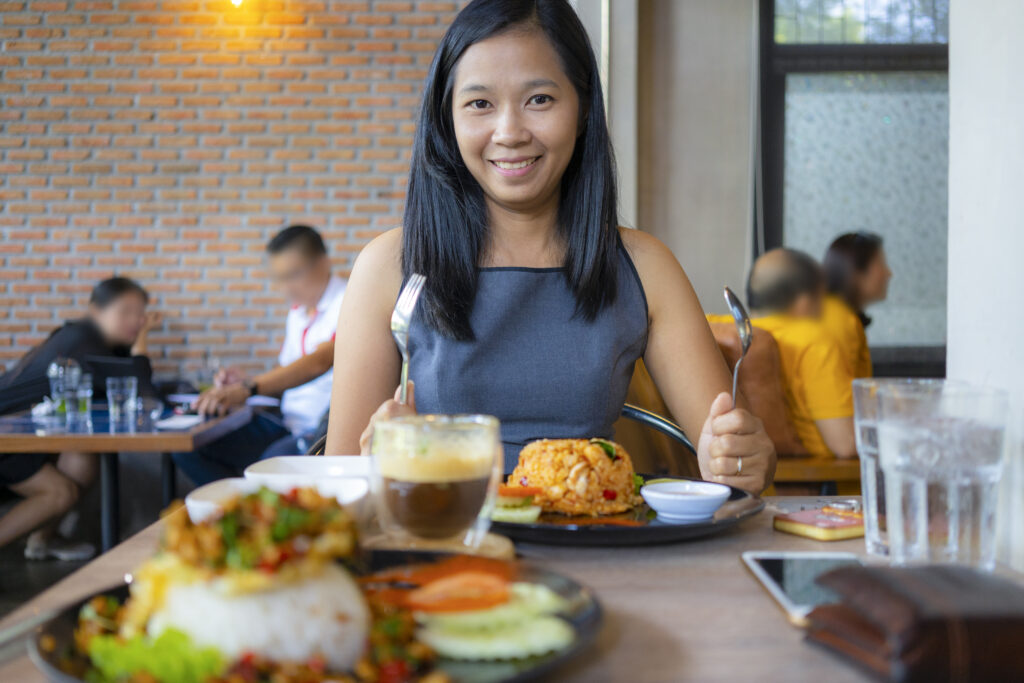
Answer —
167 140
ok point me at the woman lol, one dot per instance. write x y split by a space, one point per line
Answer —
536 305
116 326
856 275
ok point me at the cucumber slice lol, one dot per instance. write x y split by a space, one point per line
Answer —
528 600
513 501
516 515
532 637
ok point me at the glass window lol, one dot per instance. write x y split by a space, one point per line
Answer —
862 21
869 151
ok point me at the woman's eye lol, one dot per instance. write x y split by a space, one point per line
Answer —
479 104
541 99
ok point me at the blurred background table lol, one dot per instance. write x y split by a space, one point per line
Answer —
679 612
23 433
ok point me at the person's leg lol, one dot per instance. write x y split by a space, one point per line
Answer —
286 445
229 455
47 495
81 468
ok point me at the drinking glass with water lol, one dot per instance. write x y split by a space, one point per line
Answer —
122 397
941 451
872 478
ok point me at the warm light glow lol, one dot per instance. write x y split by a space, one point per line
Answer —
236 3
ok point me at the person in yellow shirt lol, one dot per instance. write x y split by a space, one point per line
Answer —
784 291
856 275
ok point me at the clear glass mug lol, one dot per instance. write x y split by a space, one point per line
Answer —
872 478
941 450
435 477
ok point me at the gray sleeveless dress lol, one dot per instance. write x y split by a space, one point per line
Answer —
543 371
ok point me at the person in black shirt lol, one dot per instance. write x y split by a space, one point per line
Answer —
116 326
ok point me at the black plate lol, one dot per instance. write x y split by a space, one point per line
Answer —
584 615
555 529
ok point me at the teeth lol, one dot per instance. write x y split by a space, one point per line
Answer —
505 165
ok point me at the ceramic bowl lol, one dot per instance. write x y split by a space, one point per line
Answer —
207 501
685 501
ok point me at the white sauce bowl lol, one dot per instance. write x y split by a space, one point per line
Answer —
685 501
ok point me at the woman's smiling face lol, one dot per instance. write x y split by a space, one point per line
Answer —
516 117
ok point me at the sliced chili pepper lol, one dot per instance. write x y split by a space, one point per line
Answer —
395 671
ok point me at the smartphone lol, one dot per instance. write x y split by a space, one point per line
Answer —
790 578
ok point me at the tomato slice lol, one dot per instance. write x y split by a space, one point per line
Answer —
422 574
519 491
462 592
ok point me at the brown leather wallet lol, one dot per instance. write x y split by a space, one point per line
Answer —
934 624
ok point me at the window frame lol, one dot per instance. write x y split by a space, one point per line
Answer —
778 61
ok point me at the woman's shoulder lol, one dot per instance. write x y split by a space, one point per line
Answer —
383 251
75 333
377 272
651 258
838 316
640 244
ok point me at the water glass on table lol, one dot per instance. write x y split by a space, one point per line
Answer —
83 396
872 478
941 450
435 477
122 397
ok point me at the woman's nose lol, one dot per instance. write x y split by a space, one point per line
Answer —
509 130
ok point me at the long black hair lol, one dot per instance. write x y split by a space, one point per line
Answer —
445 227
848 255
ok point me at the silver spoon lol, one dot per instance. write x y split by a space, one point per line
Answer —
745 331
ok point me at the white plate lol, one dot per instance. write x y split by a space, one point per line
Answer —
208 500
300 468
685 501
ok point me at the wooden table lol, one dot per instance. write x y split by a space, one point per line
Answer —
830 471
683 612
20 433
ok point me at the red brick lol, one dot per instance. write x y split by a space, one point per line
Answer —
175 162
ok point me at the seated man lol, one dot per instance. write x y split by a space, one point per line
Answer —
300 266
784 292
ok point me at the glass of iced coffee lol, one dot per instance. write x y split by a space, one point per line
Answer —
435 476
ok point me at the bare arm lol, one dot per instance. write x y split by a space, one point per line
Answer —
839 436
691 374
366 360
141 345
304 369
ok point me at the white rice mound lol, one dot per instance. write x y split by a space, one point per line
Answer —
322 616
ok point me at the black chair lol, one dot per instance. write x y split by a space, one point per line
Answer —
641 415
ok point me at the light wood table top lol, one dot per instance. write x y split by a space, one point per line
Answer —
681 612
19 434
791 469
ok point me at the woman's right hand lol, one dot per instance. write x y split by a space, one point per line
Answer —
388 409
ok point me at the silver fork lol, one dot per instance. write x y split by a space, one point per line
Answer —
400 320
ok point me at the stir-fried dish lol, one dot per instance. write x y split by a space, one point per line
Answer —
259 594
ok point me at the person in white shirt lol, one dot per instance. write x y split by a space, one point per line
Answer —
301 268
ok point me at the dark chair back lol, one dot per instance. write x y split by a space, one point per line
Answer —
641 415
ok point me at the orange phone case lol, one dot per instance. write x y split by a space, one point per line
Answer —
825 524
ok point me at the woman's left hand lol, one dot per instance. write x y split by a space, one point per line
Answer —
219 401
734 448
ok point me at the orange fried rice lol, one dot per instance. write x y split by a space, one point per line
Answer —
578 476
